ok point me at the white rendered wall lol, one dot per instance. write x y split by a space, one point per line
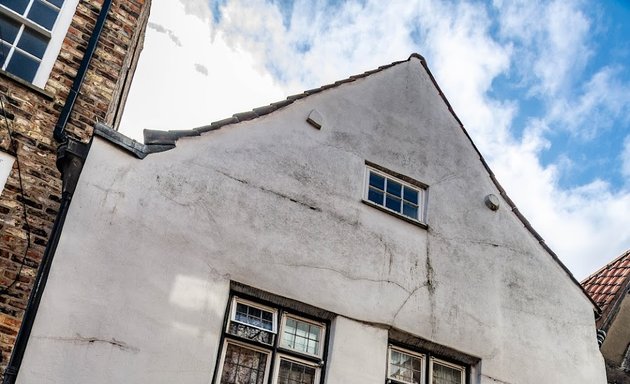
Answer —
149 247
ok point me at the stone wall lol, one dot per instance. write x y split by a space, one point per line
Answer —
31 114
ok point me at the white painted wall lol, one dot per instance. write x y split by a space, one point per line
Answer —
149 248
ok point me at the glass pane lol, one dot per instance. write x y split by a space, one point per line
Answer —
375 196
446 375
392 203
4 52
8 29
43 14
394 188
23 66
291 372
243 366
377 181
410 210
411 195
58 3
311 347
302 329
33 43
17 5
290 326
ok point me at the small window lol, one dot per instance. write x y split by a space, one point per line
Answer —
442 372
294 371
256 350
243 364
394 194
253 321
405 366
255 315
28 28
301 335
408 367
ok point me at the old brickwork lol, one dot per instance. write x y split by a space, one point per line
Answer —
32 114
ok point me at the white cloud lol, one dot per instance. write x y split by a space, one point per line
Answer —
603 101
171 90
552 39
252 58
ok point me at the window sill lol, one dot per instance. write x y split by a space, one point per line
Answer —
399 216
27 84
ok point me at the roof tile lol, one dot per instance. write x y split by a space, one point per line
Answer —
604 285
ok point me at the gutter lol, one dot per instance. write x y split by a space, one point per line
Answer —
71 155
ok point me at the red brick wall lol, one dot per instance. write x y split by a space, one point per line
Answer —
32 116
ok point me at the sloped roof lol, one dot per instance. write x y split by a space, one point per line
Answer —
606 286
159 141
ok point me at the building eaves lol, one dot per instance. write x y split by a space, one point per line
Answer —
159 141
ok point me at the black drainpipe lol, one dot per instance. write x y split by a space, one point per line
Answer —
71 155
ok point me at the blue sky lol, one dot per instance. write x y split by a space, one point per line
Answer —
543 87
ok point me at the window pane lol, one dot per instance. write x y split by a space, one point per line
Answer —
392 203
302 329
33 43
4 52
295 373
411 195
375 196
410 210
394 188
42 14
17 5
377 181
23 66
314 333
243 366
254 316
8 29
405 367
58 3
446 375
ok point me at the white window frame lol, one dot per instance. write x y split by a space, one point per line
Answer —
247 346
280 356
460 368
422 194
249 303
322 335
56 35
421 356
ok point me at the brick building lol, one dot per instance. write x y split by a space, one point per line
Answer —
66 64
